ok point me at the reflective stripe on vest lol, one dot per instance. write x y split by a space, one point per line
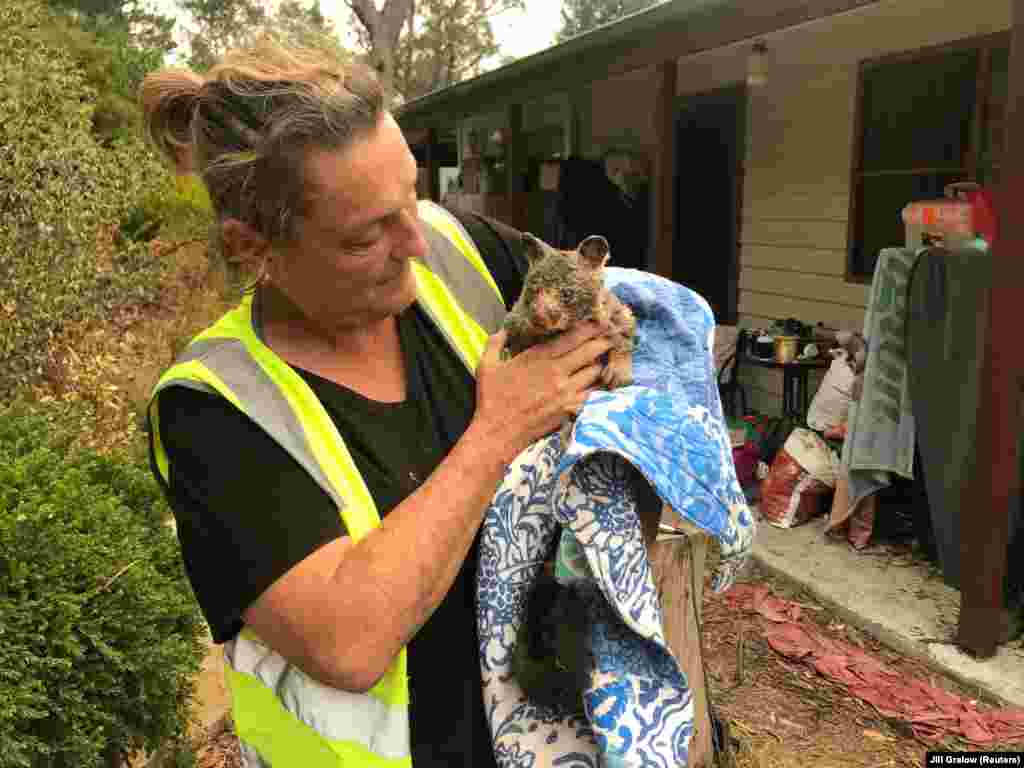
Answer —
282 716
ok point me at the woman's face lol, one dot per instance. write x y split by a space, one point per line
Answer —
350 266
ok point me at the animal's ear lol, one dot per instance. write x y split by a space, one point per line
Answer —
533 247
595 251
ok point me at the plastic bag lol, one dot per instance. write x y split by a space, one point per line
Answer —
803 472
745 459
813 454
861 525
832 401
773 435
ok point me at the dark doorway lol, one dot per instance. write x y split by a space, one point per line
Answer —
710 148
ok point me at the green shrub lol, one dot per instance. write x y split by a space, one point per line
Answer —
129 62
63 194
180 205
100 638
140 225
190 194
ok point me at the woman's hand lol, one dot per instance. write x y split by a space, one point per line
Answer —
522 399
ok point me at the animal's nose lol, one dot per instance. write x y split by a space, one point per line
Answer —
547 316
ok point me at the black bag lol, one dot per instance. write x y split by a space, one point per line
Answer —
775 437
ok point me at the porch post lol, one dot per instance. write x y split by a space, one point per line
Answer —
663 169
515 153
433 167
994 483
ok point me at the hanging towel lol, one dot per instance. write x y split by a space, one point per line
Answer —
880 426
637 705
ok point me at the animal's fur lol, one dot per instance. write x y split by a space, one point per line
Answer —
563 288
857 351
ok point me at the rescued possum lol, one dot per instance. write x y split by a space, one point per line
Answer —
553 657
549 660
563 288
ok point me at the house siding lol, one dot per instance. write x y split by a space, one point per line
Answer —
796 191
623 109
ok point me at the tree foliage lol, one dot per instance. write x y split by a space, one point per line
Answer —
221 25
579 16
446 43
123 22
307 28
133 41
64 188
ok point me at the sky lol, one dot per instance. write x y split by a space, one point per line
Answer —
519 33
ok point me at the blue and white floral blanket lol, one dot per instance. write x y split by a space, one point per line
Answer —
638 709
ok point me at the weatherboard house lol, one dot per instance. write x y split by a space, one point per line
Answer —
766 150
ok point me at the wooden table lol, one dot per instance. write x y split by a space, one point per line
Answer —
795 395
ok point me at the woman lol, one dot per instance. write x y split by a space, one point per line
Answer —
360 380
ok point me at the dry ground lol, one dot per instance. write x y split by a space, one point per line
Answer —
781 715
787 715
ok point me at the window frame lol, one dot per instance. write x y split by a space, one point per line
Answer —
985 45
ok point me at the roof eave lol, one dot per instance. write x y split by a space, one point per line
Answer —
615 32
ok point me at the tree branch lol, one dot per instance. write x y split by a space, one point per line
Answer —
394 14
367 14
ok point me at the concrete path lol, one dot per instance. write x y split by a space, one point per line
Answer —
902 605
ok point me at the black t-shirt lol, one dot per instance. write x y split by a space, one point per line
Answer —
247 512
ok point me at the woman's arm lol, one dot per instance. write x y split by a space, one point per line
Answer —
344 612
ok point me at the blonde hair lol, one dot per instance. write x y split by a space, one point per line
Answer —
247 126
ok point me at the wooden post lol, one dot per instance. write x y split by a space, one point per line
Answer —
433 169
515 152
677 565
581 139
663 169
995 480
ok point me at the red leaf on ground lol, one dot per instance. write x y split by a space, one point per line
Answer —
973 729
1007 724
774 609
745 596
791 640
756 598
835 667
933 713
945 699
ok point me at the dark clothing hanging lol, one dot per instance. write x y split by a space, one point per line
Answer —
589 203
946 297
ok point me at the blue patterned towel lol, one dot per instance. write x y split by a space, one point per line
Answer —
637 707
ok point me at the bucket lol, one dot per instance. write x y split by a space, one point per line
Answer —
786 348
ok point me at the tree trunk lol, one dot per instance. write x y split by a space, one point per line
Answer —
677 563
387 74
384 28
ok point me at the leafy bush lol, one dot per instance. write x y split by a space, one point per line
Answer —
140 225
116 45
63 195
190 194
129 62
180 202
114 113
99 635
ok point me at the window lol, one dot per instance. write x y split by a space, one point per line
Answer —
924 121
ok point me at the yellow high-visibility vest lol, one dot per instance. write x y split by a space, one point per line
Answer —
282 716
